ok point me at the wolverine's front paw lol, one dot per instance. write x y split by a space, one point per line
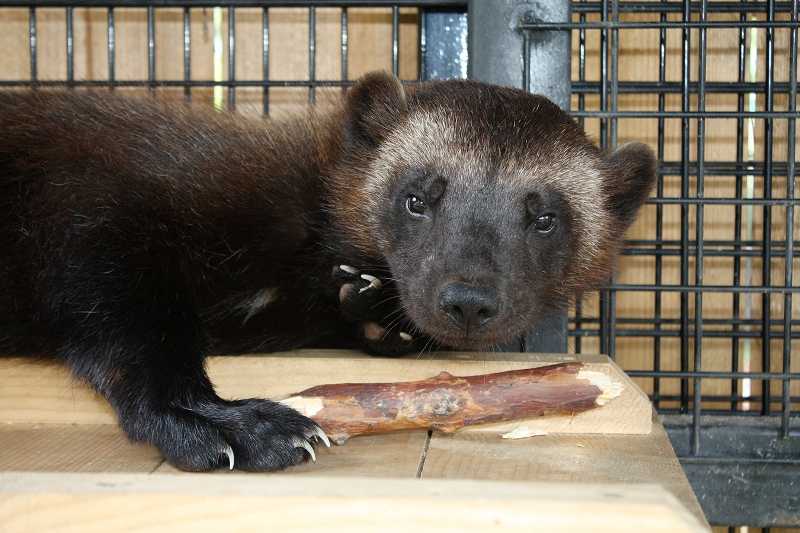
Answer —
244 434
360 294
391 341
381 326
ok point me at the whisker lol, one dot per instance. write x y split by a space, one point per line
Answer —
421 352
392 313
391 326
390 298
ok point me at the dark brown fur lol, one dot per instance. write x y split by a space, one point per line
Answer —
137 237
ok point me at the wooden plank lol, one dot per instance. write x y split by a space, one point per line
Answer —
124 502
628 459
104 448
72 448
14 36
38 392
396 456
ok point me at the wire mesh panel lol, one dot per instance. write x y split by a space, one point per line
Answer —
715 255
241 54
705 309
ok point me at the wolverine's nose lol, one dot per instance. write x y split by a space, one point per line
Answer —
469 307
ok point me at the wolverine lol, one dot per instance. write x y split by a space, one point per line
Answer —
137 236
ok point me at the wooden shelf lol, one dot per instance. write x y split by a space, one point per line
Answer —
66 465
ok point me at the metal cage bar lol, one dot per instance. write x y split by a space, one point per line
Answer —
151 48
312 53
789 246
265 59
232 57
70 46
187 52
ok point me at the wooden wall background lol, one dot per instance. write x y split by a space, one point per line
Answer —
370 48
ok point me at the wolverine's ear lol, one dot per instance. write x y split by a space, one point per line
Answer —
375 103
633 173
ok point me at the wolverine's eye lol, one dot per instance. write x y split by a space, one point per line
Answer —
416 206
545 223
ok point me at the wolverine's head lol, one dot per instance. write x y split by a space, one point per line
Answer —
490 205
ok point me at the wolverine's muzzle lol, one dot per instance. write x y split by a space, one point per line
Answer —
467 306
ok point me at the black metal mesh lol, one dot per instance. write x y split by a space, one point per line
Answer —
722 225
229 82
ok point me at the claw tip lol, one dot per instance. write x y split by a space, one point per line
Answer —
229 452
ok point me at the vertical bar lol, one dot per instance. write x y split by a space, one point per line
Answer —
111 45
187 53
231 58
497 49
395 40
32 44
265 58
614 72
657 311
151 47
748 223
423 43
443 54
790 194
737 217
312 54
581 107
698 298
685 155
344 43
526 60
70 47
582 63
604 78
766 271
578 324
605 344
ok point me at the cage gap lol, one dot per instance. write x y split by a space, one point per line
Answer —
684 195
699 218
737 221
789 245
659 233
766 265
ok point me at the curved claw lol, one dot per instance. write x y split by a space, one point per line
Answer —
302 443
374 283
406 337
320 434
349 269
229 452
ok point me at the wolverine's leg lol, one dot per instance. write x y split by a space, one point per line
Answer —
381 325
127 326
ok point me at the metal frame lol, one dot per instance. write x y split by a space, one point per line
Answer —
744 465
539 62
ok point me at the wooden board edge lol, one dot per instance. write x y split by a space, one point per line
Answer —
92 502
